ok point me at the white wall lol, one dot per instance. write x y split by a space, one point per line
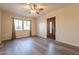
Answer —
67 24
7 26
0 26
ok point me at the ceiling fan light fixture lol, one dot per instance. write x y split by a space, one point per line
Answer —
33 11
35 8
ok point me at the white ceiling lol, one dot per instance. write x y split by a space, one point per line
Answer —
20 8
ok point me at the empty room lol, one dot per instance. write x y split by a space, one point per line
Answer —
39 29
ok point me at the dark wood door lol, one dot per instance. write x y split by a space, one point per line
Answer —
51 28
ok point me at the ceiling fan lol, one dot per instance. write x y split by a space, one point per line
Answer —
35 8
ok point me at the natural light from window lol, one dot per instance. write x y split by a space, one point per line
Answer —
21 24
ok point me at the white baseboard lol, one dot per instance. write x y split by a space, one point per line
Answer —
68 43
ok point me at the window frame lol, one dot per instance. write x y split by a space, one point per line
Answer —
22 24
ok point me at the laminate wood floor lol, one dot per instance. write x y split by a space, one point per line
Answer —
35 46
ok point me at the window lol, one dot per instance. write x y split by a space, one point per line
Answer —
22 25
26 25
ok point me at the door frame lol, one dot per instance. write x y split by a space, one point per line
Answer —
48 30
30 28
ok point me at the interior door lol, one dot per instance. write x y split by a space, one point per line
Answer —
51 28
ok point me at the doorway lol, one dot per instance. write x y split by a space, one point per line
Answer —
51 31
